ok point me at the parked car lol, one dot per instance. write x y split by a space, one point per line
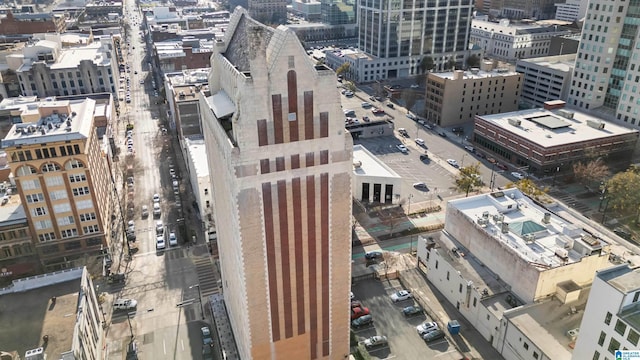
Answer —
156 198
502 166
426 327
420 142
390 105
453 163
457 130
366 105
159 227
366 119
469 148
362 321
412 310
372 255
411 116
517 175
403 132
173 239
206 336
424 158
420 186
377 111
377 340
351 296
403 149
442 133
125 304
157 211
145 211
359 311
160 243
401 295
433 335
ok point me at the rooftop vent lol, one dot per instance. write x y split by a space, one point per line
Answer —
547 218
566 113
595 124
514 122
505 228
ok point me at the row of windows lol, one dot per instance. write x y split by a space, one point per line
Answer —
16 250
13 234
27 170
45 153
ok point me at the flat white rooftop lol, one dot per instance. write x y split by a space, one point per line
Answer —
188 77
480 74
366 164
563 63
198 153
540 238
548 128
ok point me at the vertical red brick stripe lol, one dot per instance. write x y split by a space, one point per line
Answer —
271 260
284 258
276 104
292 94
263 137
297 244
324 124
280 163
264 166
308 115
324 250
295 161
311 259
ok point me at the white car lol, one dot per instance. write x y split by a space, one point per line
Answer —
400 296
420 142
426 327
517 175
453 163
377 340
156 198
411 116
173 240
159 227
415 86
160 244
403 149
131 227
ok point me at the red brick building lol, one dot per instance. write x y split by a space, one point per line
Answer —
30 23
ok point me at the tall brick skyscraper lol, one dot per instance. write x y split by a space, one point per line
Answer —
281 166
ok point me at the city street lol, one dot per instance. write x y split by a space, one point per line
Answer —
166 283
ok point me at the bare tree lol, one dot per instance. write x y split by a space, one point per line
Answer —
591 171
409 97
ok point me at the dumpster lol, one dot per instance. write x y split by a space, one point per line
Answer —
454 327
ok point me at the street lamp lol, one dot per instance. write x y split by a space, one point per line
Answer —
409 206
199 298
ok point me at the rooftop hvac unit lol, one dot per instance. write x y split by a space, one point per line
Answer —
482 222
498 218
529 238
357 164
505 228
485 215
35 354
547 218
566 113
515 122
595 124
573 333
562 253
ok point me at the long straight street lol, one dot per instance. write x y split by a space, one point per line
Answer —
166 282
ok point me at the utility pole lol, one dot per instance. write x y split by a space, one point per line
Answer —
199 298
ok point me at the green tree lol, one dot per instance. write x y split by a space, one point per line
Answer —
349 85
591 171
426 64
343 69
473 61
451 64
469 179
623 191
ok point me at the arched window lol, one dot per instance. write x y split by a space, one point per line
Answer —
26 170
50 167
73 164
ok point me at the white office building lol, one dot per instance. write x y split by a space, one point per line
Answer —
374 181
571 10
510 42
612 316
46 68
545 78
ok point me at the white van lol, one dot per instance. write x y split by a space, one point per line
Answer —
125 304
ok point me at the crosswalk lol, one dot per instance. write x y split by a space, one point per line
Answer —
207 276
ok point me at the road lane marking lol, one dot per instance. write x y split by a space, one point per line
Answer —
164 347
182 344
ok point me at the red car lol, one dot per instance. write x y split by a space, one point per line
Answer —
377 111
359 311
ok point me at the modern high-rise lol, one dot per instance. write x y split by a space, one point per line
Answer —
606 73
401 33
63 179
610 319
338 12
281 165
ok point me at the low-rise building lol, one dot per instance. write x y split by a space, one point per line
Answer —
373 181
18 257
324 33
63 180
46 68
189 53
174 32
456 97
612 315
518 273
545 78
31 23
551 139
198 170
165 15
308 9
182 89
512 41
53 316
99 9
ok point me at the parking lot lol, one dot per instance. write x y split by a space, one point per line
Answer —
388 320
